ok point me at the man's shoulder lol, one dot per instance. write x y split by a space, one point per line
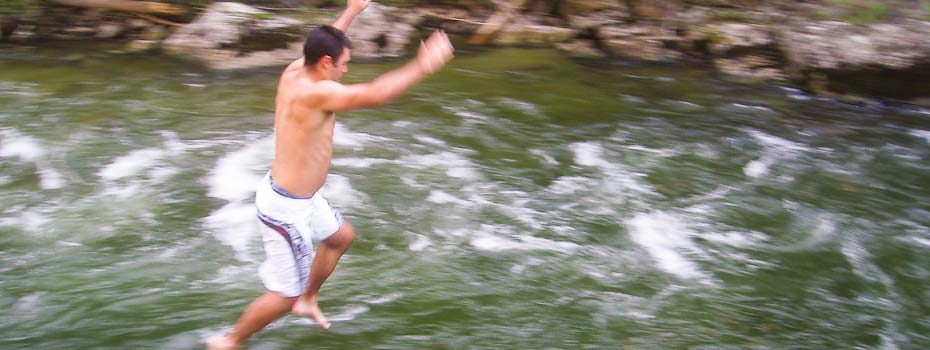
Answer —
306 92
306 87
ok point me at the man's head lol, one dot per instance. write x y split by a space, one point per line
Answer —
327 48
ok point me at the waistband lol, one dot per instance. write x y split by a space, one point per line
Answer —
281 191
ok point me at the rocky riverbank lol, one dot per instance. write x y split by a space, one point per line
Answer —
834 50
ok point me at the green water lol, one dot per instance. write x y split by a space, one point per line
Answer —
517 200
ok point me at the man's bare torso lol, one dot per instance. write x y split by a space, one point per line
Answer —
303 135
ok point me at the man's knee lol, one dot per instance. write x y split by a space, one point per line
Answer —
343 237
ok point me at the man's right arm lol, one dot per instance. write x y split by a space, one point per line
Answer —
353 8
431 57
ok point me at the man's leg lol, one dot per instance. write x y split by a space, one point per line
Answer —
262 311
327 255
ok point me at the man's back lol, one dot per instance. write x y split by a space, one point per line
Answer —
303 134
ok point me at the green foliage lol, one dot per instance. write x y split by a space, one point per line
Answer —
927 10
18 6
263 15
822 14
863 11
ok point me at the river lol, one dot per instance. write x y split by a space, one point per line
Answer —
517 200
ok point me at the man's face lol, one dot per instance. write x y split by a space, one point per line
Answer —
340 66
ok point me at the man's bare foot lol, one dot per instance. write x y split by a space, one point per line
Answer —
311 310
222 343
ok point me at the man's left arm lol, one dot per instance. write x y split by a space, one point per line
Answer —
353 8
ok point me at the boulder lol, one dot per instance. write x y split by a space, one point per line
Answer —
377 33
750 69
639 42
524 33
729 39
595 20
581 49
880 60
838 45
231 35
642 49
624 31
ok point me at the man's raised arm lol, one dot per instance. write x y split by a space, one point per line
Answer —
353 8
431 57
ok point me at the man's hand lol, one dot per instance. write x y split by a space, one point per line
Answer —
357 6
434 52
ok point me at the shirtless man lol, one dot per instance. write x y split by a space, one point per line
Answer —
291 210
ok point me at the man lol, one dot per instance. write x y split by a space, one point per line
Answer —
291 210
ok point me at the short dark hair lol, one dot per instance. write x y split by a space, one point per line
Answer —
324 41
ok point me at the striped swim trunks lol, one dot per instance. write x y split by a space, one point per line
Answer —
289 225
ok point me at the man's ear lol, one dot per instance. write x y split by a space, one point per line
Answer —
327 61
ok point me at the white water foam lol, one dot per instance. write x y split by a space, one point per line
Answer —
545 156
29 304
345 138
385 299
569 185
498 238
756 168
234 179
742 240
775 149
338 189
617 178
921 240
667 239
420 242
796 94
16 89
590 154
441 197
919 133
821 229
27 149
739 107
136 161
456 165
525 107
236 174
23 147
429 140
683 105
130 164
860 259
49 178
32 221
128 175
468 117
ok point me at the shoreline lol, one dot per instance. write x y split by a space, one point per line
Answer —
886 61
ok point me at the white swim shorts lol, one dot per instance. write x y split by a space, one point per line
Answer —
288 224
